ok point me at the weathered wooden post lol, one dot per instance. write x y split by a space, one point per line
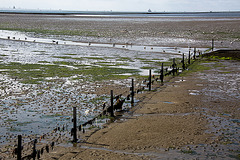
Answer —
132 93
161 75
183 63
212 44
189 57
173 67
150 79
111 110
194 54
74 124
34 149
19 148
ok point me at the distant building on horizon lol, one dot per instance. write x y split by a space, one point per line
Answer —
149 10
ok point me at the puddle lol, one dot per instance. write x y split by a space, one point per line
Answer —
180 81
194 92
21 36
168 102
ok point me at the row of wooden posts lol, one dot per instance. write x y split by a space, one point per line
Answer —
110 110
35 153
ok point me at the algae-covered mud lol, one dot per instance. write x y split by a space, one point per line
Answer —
49 64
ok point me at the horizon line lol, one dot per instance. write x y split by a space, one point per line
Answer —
59 11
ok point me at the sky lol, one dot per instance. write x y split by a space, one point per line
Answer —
125 5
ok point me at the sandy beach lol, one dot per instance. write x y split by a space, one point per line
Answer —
192 116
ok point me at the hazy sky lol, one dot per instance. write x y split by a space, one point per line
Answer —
125 5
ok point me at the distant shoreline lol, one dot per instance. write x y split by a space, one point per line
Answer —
113 13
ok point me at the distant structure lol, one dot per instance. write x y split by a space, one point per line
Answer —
149 11
14 7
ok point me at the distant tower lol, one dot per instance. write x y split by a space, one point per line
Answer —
149 10
14 7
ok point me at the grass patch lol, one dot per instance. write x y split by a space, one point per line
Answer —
222 58
219 65
39 51
63 57
104 64
106 73
124 59
223 55
121 64
225 72
94 58
195 67
148 61
146 67
35 73
43 62
64 63
52 116
79 59
188 151
164 63
11 120
32 81
23 123
103 117
70 54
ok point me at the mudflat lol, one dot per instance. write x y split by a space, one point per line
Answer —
163 31
194 115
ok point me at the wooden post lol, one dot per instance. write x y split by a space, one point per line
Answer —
19 148
194 55
183 63
189 57
34 149
150 79
74 124
161 75
173 66
111 110
212 44
132 93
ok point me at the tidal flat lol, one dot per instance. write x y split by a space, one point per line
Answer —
49 64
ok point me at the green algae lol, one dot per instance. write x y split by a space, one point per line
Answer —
35 73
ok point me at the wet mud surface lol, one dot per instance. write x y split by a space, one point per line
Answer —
197 32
